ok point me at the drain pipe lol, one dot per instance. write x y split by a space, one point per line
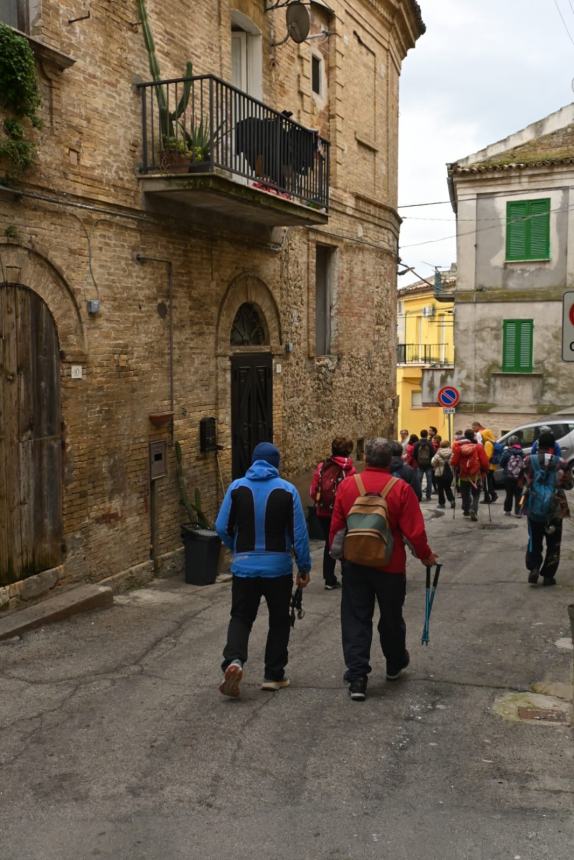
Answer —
142 258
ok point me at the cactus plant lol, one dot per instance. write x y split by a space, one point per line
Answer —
167 118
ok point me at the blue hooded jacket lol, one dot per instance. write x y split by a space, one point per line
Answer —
261 519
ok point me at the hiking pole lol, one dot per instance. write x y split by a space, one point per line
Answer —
296 606
429 600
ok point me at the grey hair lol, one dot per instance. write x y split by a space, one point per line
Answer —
378 452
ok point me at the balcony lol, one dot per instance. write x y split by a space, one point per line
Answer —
427 355
213 148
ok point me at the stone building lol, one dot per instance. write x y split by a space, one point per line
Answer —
515 222
218 249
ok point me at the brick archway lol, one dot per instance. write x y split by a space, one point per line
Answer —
28 268
248 288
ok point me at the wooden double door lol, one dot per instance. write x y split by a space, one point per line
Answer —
31 532
251 407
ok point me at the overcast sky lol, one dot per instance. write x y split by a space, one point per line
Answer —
483 69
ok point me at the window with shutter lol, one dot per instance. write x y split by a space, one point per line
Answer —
517 346
528 229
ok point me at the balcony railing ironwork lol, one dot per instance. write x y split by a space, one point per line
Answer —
424 353
204 125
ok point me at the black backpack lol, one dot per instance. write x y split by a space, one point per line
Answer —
424 454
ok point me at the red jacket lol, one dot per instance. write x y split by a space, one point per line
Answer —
346 464
458 461
405 517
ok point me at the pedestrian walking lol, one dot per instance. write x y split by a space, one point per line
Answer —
512 463
326 478
546 506
261 520
469 459
404 440
410 451
399 469
557 449
395 517
486 438
422 455
443 474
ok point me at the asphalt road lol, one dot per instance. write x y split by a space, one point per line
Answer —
115 742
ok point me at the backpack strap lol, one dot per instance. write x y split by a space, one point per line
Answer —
360 485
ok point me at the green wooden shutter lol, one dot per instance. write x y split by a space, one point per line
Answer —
539 228
517 346
528 229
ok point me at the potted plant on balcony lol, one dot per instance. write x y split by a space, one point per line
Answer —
201 542
198 142
175 157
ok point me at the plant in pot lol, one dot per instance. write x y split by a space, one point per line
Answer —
175 156
198 143
201 542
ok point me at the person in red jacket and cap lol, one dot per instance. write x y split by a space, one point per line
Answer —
362 585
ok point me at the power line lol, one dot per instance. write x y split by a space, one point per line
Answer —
559 10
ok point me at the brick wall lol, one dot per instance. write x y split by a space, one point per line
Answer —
83 218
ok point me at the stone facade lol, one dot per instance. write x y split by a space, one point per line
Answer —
169 284
534 164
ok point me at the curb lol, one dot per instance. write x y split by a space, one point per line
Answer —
81 599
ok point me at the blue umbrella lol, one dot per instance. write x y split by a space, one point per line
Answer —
429 600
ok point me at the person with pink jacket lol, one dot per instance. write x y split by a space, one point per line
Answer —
327 476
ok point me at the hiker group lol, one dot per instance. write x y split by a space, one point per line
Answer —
366 520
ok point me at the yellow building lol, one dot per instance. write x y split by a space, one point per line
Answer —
425 339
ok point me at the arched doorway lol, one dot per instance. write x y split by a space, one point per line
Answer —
31 530
251 386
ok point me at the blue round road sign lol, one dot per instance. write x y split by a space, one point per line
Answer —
448 396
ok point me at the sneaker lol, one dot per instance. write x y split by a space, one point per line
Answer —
533 576
473 516
517 514
548 580
232 678
358 690
272 686
393 674
465 514
508 513
331 586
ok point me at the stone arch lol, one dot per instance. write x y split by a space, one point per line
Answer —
248 289
26 267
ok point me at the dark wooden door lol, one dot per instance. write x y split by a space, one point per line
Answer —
251 407
30 437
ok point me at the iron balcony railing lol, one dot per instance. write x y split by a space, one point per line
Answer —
424 353
202 123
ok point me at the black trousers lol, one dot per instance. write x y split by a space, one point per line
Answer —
361 587
513 494
535 550
328 562
470 496
246 594
489 489
444 489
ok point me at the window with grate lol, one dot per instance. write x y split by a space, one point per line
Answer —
316 73
248 328
517 346
324 290
528 229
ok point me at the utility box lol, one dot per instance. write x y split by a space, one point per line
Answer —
207 435
157 460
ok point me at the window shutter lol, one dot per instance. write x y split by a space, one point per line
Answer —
509 345
539 228
524 351
516 229
517 346
528 229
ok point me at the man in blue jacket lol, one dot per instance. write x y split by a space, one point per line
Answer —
261 520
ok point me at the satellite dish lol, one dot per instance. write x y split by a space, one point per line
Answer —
298 21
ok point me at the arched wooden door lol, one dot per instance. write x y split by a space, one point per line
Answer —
30 437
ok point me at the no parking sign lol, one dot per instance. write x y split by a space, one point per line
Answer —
449 396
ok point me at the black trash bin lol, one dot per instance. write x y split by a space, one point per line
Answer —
202 548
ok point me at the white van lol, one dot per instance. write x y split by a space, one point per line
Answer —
561 427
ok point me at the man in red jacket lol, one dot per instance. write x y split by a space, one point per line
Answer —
361 585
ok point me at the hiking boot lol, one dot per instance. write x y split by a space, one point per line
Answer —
508 513
232 678
548 580
272 686
465 514
473 516
331 586
453 504
393 673
358 690
441 507
533 576
493 498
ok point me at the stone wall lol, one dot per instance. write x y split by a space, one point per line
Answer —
77 228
